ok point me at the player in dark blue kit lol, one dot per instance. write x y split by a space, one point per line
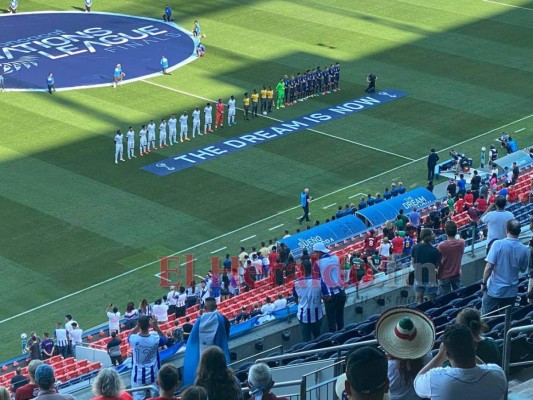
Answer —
326 77
297 86
318 82
337 77
312 83
286 82
292 90
303 87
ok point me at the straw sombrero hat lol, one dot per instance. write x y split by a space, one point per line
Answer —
405 333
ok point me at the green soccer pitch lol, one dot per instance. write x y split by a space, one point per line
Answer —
78 232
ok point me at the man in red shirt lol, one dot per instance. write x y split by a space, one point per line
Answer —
167 379
371 243
459 205
29 390
482 204
449 268
512 195
220 114
469 199
397 247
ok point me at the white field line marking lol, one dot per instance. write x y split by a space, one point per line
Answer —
248 238
520 130
331 205
249 225
160 277
276 227
279 120
217 250
508 5
188 262
356 195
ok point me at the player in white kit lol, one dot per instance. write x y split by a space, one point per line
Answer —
143 143
208 114
231 111
131 143
151 136
184 126
163 134
172 122
119 147
196 121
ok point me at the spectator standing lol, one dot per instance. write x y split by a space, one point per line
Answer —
114 318
451 189
260 383
18 380
108 385
486 347
496 218
47 346
331 273
464 379
388 231
433 159
44 377
187 328
371 243
461 185
414 218
33 347
506 259
268 307
145 309
113 349
60 334
76 335
145 354
516 173
216 378
172 299
131 316
407 336
508 175
31 389
475 183
160 311
425 260
308 292
211 328
168 382
449 268
397 246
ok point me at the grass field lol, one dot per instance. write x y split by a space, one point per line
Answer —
78 232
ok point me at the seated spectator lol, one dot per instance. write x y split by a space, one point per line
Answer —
216 378
18 380
386 194
194 393
113 349
108 385
464 379
244 315
256 311
512 195
44 377
260 383
378 199
362 204
131 316
407 336
365 377
31 389
280 303
268 307
167 380
504 191
187 328
486 347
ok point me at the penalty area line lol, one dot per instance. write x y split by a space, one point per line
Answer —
140 267
508 5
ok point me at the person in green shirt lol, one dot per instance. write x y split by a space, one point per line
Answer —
376 261
280 88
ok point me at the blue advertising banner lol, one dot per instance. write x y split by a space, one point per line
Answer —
247 140
329 233
380 213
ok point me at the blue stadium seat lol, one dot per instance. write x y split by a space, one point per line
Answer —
445 299
469 290
426 306
451 313
519 313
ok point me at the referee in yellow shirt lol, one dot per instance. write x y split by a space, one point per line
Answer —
270 98
255 102
264 100
246 105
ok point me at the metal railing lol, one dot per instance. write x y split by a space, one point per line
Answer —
318 389
509 335
253 357
154 390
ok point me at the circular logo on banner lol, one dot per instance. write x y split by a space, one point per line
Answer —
83 49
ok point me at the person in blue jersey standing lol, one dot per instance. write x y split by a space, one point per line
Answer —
330 272
305 199
164 65
50 82
308 291
145 353
211 328
167 16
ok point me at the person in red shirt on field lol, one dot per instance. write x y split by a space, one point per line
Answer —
371 243
459 205
482 204
220 114
512 195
